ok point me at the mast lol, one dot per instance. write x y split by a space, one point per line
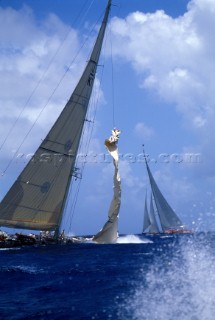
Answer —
37 198
92 64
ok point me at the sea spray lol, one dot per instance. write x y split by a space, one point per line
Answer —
132 239
178 286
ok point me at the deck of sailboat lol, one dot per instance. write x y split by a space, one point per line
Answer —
32 240
171 232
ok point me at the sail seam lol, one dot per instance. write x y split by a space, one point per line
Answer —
56 152
31 208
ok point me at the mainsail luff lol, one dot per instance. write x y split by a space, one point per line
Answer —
37 198
146 220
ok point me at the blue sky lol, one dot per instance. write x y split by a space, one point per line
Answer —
163 82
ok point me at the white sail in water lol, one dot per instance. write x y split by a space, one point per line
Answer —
109 233
154 225
37 198
168 218
146 220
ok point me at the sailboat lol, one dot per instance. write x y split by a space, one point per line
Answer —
36 200
150 224
166 221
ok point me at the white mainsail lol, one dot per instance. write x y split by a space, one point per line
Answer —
168 217
154 225
37 198
146 220
109 232
150 224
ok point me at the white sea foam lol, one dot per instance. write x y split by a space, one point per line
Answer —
132 239
122 239
6 249
180 288
26 269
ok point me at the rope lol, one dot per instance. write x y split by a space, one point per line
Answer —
112 78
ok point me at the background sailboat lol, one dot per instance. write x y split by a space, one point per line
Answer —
150 224
169 220
36 200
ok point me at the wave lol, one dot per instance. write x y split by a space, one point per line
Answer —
6 249
22 269
132 239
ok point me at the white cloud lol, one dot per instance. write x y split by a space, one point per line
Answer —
26 55
128 176
174 56
34 86
143 131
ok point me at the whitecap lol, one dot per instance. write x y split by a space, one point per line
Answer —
131 238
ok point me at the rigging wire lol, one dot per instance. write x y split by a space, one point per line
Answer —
43 75
70 216
112 76
41 111
86 148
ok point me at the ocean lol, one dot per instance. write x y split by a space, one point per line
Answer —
160 277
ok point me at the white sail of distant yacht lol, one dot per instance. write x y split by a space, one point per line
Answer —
36 200
154 225
168 219
150 224
146 220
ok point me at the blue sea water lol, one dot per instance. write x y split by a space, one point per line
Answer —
154 277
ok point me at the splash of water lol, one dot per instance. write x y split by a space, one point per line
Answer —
180 287
132 239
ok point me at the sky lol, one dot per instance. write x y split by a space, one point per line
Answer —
155 82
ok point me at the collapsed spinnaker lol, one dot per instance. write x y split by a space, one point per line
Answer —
109 232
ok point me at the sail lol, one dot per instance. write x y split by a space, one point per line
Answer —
168 218
36 200
109 232
154 225
146 220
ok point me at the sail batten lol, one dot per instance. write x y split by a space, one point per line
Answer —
37 198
